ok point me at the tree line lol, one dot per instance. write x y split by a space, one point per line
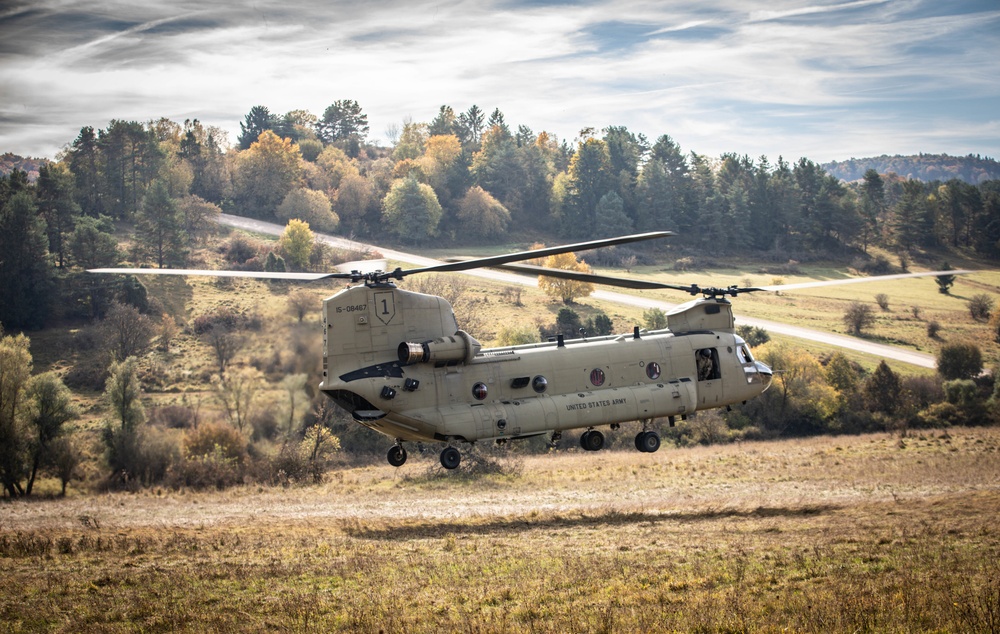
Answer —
460 177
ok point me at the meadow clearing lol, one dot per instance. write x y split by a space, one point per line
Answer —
879 533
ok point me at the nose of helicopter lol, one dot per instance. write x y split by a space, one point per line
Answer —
765 373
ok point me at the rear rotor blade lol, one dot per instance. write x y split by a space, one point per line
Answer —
497 260
593 278
859 280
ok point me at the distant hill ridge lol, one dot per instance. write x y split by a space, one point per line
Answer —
924 167
9 162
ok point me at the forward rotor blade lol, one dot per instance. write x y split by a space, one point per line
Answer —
860 280
497 260
262 275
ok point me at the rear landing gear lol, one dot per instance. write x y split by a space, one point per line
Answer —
396 456
647 441
450 458
592 440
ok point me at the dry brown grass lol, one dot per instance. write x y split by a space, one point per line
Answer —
869 533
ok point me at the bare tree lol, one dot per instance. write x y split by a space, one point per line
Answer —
237 392
294 385
300 303
126 332
225 344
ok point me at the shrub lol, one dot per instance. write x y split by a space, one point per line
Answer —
568 322
883 301
174 416
516 335
212 438
600 324
753 335
241 248
878 265
960 360
228 318
264 425
933 328
210 470
654 319
980 306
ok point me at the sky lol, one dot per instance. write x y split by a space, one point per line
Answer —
826 80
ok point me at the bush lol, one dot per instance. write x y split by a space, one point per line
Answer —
878 265
883 301
212 438
264 425
241 248
933 328
228 318
568 322
517 335
960 360
654 319
139 457
213 469
753 335
980 307
174 416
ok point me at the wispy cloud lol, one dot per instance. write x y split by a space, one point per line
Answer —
819 79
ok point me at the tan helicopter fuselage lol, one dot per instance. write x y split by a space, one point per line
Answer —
397 361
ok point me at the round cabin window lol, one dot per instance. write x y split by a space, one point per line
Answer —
653 370
597 377
479 391
539 383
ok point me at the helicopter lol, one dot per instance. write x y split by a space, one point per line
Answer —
398 363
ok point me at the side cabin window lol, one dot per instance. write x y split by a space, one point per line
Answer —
707 362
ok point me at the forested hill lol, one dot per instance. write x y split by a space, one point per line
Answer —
924 167
10 162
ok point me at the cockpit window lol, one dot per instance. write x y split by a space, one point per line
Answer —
743 353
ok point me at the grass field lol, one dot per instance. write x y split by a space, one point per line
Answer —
875 533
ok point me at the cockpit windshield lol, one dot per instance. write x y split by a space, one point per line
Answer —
743 351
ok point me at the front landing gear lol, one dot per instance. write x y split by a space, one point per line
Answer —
450 458
396 456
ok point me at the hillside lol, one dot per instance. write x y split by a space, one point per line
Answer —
9 162
925 167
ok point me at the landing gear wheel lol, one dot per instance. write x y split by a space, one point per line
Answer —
647 442
450 458
396 456
592 440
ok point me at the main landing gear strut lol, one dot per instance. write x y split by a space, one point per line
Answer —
450 456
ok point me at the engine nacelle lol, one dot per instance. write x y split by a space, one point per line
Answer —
458 347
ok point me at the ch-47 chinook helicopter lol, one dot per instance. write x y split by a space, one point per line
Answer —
397 361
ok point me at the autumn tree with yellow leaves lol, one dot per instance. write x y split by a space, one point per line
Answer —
566 290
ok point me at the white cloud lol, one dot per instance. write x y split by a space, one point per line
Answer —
823 80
